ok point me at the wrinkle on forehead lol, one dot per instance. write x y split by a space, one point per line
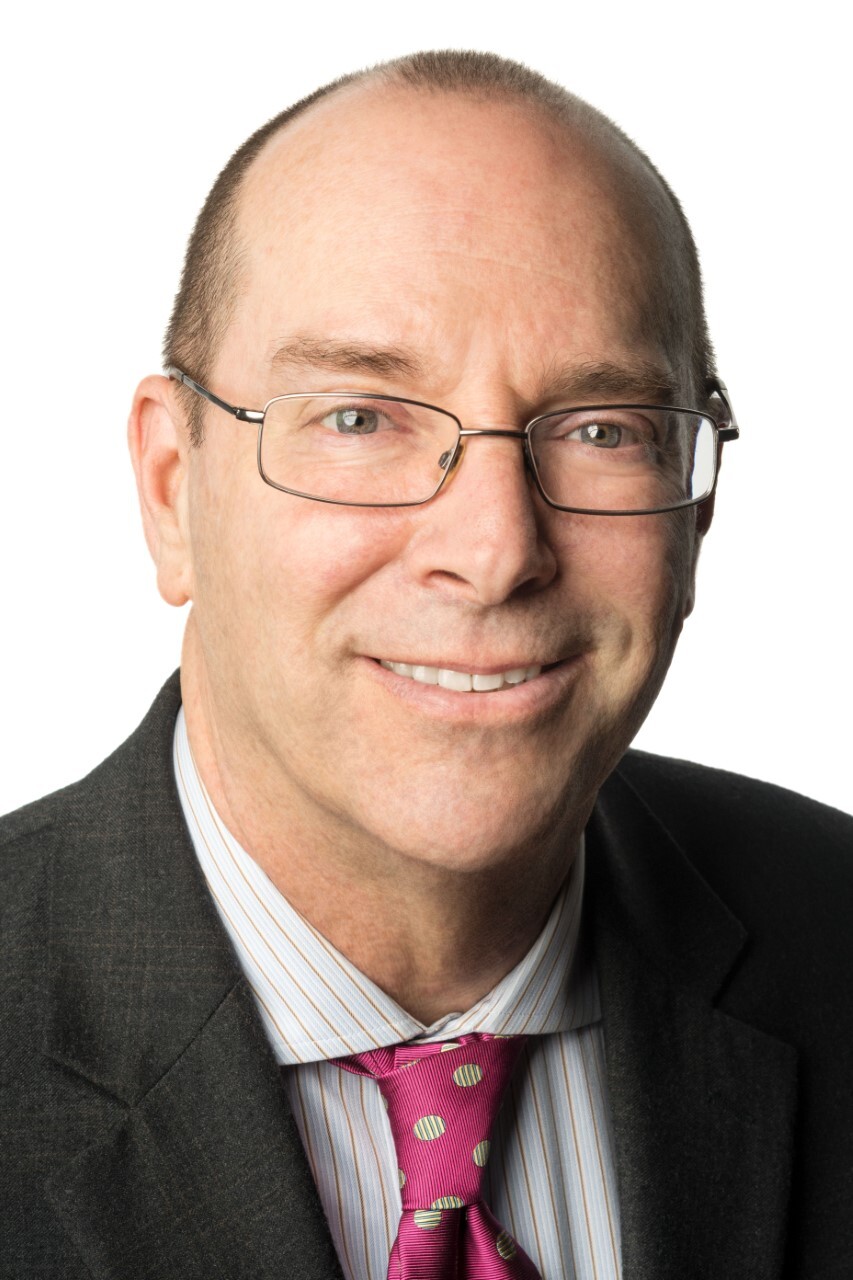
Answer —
374 174
577 382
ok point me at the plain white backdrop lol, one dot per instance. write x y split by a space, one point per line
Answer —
115 120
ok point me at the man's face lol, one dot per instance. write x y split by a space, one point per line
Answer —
486 253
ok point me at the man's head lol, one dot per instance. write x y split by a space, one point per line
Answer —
494 254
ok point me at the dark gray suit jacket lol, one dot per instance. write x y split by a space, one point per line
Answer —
144 1129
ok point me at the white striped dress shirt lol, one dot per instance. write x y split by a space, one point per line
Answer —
551 1177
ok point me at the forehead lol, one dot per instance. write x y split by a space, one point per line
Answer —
421 218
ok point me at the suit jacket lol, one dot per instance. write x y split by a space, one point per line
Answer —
145 1133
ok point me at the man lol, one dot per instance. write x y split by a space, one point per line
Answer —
383 836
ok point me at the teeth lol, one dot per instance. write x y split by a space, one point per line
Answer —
461 681
485 684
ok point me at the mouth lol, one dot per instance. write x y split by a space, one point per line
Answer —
467 681
498 696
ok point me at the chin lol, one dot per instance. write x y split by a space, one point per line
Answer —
479 832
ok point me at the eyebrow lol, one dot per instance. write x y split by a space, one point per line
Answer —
588 382
307 352
596 380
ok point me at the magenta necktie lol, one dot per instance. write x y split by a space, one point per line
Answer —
442 1100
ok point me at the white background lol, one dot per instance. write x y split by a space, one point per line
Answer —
115 120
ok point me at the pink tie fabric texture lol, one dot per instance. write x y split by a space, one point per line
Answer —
442 1100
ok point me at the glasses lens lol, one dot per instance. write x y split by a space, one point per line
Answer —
624 459
356 449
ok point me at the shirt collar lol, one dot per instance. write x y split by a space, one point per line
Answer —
315 1004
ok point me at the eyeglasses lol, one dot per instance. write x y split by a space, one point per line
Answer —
362 450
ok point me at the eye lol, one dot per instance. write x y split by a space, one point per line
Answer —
604 435
353 421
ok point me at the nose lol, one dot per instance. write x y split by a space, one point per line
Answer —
484 536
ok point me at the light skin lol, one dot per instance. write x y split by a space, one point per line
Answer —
426 833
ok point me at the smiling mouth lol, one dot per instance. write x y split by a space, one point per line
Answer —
465 681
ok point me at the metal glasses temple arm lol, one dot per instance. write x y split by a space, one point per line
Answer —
731 430
243 415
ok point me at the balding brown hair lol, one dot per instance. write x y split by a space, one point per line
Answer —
209 288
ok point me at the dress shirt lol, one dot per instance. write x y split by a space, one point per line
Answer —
551 1176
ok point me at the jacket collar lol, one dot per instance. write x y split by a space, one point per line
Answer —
703 1105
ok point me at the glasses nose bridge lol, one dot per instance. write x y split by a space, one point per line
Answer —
466 432
491 431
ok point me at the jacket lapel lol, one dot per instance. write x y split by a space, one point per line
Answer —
703 1105
197 1169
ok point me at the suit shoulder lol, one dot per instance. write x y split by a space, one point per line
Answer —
29 839
108 796
35 824
693 792
26 836
753 841
783 866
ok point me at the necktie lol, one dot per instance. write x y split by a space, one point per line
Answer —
442 1100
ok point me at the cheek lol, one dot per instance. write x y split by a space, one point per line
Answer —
228 543
333 550
285 573
629 576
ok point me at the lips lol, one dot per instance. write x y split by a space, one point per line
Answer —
463 681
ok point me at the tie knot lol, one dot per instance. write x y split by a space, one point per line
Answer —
442 1101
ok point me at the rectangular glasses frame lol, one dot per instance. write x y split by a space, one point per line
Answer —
726 430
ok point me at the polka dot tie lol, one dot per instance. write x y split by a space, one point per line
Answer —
442 1100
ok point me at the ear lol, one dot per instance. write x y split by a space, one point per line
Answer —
158 438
